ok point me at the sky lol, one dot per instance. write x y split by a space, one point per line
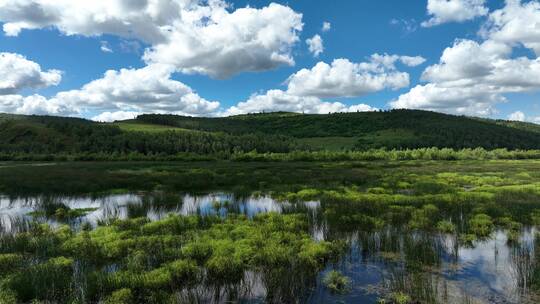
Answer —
114 59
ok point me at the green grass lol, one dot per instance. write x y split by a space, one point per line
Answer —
153 260
134 126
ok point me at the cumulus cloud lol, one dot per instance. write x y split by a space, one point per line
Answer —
193 36
247 39
472 77
315 45
141 19
517 116
307 89
17 73
343 78
118 94
326 26
461 100
412 61
278 100
520 116
515 23
114 116
444 11
149 89
33 104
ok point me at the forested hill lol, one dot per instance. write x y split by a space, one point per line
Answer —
390 129
272 132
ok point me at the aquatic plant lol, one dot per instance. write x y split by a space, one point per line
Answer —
336 282
121 296
446 227
481 225
394 210
152 260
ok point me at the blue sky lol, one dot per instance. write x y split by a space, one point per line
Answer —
192 81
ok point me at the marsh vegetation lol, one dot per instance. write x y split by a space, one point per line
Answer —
280 232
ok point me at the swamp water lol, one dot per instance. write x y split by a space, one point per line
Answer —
430 265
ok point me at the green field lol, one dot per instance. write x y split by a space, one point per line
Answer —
135 126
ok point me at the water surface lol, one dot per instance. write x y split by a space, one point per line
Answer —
435 265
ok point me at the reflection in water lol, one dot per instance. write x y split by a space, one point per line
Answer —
429 266
155 206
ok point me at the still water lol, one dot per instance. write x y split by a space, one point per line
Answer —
434 265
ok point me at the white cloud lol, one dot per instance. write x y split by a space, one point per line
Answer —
461 100
141 19
444 11
194 36
308 87
120 93
326 26
105 47
315 45
343 78
247 39
482 72
149 89
515 23
34 104
412 61
114 116
470 79
17 73
517 116
408 26
520 116
278 100
466 60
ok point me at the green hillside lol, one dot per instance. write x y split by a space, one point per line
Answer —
50 135
391 129
271 132
138 126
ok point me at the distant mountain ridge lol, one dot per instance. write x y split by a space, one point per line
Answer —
389 129
265 132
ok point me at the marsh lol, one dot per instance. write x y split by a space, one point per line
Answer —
387 231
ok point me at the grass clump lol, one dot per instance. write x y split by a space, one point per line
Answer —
396 298
136 260
446 227
59 211
481 225
336 282
121 296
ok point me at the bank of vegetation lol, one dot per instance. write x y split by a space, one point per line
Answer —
340 136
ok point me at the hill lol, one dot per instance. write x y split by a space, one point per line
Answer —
52 135
390 129
271 132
